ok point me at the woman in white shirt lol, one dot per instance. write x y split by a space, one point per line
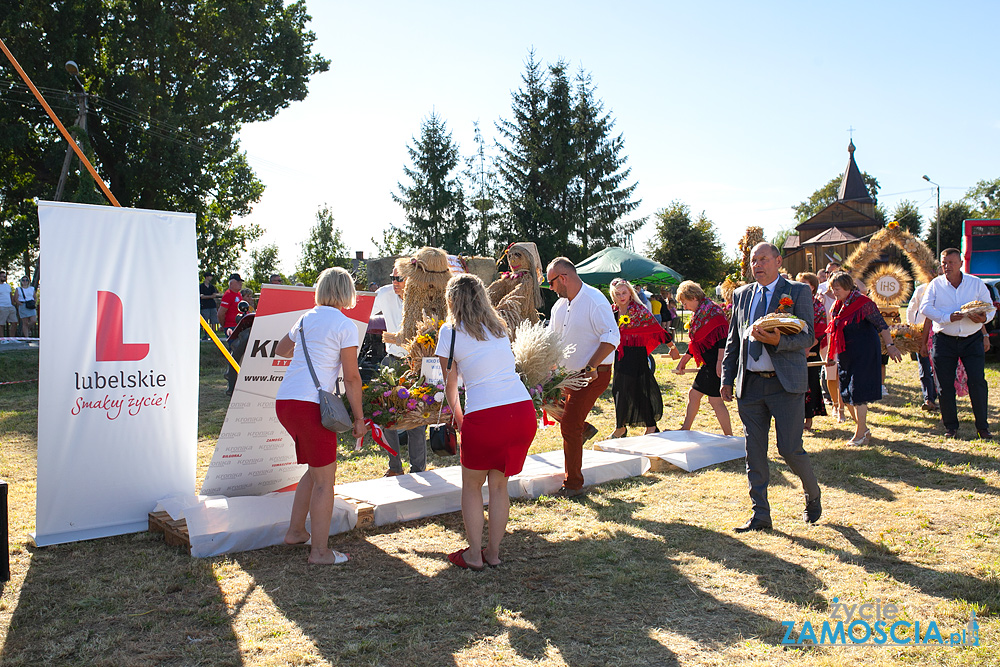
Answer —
25 296
498 422
332 342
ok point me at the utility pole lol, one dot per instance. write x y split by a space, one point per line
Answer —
81 122
937 216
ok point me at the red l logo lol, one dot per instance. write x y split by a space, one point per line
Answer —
111 345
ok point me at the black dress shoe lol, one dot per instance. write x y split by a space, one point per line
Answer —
986 435
813 510
951 434
589 431
754 524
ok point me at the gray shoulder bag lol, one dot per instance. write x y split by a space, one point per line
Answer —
331 406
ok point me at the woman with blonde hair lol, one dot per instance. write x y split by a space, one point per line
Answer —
498 422
707 338
638 401
331 341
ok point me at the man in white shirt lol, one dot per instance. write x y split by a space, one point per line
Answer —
389 302
958 336
916 320
589 335
8 313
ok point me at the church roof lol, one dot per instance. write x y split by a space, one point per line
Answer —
832 236
852 186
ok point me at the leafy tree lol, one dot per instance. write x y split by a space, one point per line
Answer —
827 194
323 249
603 199
690 248
170 85
393 243
908 216
985 198
951 216
263 263
435 203
781 236
484 202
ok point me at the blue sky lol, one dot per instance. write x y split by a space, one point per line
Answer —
738 109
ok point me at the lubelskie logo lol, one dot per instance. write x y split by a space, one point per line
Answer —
111 345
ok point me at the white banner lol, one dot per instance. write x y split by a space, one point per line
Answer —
118 368
255 454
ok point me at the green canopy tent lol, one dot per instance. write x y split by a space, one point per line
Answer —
611 263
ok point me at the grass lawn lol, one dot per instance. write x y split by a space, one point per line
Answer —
646 571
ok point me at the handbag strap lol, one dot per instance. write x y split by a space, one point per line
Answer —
312 371
451 356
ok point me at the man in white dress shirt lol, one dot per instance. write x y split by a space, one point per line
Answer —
389 302
916 320
589 334
958 336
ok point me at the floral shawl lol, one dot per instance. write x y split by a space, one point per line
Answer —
638 329
708 326
819 318
853 309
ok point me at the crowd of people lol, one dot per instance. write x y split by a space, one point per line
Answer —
18 307
773 377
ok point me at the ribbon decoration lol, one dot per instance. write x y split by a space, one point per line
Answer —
545 419
377 436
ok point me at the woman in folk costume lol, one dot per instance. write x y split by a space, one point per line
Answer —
815 407
707 339
854 330
638 401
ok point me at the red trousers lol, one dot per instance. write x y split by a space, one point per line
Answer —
574 421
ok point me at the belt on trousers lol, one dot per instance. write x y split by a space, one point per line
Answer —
764 374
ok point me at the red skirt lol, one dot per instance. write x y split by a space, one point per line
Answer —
314 444
498 438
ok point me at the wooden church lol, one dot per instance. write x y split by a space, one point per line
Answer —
834 232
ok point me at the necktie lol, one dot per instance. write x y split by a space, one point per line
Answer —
756 347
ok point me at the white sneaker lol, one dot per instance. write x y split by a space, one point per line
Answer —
885 392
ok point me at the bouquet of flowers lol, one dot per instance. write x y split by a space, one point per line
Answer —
424 343
402 402
536 359
905 337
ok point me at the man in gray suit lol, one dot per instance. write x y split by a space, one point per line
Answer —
768 370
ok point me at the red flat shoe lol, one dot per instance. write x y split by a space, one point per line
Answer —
457 559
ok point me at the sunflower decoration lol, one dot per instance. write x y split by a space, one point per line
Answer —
889 285
424 343
624 321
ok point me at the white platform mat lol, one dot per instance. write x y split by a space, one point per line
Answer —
439 491
218 525
688 450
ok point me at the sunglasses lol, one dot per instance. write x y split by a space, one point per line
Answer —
397 279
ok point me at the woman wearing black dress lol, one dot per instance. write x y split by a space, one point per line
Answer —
707 338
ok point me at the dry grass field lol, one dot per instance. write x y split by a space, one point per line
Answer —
645 571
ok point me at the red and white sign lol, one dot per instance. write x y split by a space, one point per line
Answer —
118 368
255 454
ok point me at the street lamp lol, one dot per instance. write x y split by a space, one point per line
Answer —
81 122
938 216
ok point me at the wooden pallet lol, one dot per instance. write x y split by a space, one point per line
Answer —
662 465
175 533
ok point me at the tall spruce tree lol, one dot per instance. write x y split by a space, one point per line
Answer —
484 197
562 171
435 203
602 199
520 162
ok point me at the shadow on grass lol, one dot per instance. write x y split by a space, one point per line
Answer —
607 599
878 559
126 600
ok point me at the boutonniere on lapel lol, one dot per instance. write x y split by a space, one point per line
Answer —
781 319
